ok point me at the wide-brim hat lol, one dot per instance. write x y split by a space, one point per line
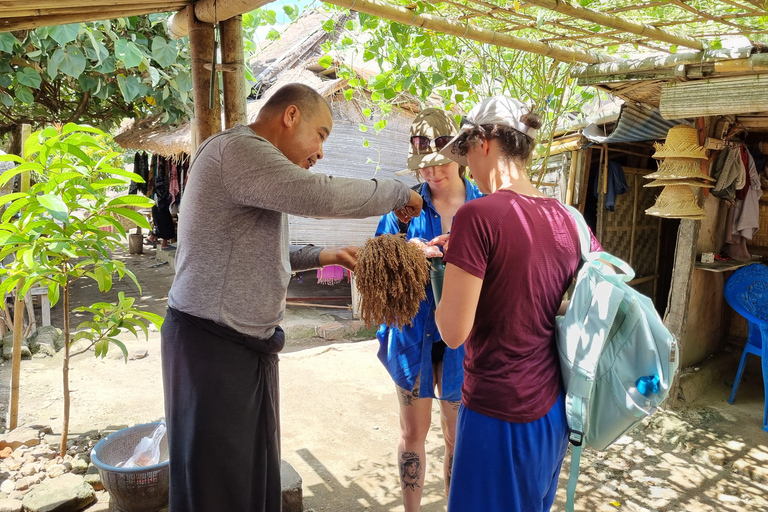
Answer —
682 142
677 202
675 168
688 181
431 123
496 110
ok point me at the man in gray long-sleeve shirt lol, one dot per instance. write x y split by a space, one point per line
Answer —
221 335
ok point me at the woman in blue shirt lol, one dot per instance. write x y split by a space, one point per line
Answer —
421 365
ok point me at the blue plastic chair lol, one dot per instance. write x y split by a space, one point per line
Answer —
747 293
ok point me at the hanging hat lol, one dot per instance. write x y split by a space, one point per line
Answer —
429 125
675 168
497 110
677 202
682 142
690 182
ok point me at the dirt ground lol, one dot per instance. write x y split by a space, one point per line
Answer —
340 425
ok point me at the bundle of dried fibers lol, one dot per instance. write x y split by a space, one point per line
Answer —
391 275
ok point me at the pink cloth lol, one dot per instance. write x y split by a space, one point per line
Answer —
173 188
332 274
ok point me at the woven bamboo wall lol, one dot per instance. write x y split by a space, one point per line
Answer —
760 239
617 230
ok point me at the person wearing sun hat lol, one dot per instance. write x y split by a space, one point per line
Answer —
415 356
511 256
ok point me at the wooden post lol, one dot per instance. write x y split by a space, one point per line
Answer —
571 178
208 121
233 81
18 327
636 186
18 311
676 317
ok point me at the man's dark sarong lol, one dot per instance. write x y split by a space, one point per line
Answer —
222 413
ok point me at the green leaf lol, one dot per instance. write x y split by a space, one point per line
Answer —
348 94
328 25
132 215
673 48
24 94
55 206
121 346
101 348
69 60
104 278
7 40
165 54
53 293
29 77
128 53
133 200
129 87
154 75
326 61
6 98
64 34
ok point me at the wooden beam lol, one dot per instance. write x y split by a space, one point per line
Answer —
235 110
607 20
25 12
211 11
208 120
28 22
93 4
468 31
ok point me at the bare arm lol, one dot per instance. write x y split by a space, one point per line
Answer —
455 315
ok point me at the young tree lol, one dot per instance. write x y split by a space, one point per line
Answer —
54 231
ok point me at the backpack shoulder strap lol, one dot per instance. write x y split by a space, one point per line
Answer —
585 238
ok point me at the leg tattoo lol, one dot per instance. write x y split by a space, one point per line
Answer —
410 470
449 472
406 398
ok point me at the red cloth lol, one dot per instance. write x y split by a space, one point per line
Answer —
526 250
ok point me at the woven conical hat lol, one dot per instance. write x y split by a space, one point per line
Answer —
682 142
676 202
689 181
679 169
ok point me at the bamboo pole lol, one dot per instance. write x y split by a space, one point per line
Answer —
607 20
468 31
208 121
18 326
235 110
210 11
571 177
28 22
25 11
636 186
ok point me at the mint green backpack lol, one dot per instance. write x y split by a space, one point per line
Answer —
617 357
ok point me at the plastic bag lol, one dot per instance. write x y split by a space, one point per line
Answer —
430 251
147 453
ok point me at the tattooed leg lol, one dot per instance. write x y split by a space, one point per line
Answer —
410 470
415 417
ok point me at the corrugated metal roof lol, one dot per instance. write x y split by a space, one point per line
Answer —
636 123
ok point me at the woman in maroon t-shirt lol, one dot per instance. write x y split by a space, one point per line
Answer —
511 257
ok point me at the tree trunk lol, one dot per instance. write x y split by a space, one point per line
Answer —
65 373
18 326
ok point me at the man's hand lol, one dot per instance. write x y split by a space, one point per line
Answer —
412 209
345 256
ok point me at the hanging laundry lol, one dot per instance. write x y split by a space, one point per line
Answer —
173 188
332 274
617 184
728 170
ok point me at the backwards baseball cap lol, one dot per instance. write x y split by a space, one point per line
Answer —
498 110
429 131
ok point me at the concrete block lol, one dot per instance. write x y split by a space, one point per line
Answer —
293 497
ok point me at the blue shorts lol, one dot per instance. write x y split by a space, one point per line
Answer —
507 467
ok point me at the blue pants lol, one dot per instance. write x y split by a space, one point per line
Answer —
507 467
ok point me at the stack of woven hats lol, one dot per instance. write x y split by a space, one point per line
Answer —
679 171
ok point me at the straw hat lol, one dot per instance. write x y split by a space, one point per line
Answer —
677 202
682 142
690 182
430 123
675 168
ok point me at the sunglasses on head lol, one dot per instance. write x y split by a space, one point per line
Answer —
423 144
